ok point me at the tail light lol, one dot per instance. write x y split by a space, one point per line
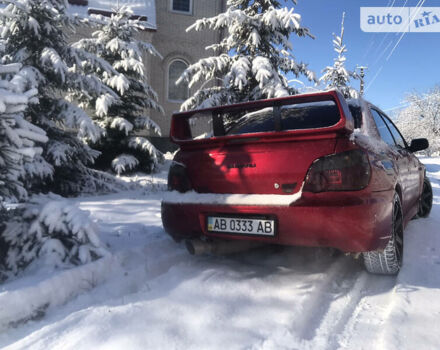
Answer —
178 179
346 171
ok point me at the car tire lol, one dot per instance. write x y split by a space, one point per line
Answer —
389 260
425 204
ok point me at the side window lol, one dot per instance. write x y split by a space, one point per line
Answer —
183 6
396 134
384 133
356 112
177 93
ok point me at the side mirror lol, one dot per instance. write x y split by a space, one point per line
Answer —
418 145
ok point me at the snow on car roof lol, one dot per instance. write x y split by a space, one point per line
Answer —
139 7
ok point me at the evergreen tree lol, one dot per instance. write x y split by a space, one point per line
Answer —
45 227
115 41
253 57
19 140
34 33
337 76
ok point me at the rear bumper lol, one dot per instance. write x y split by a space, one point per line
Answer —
349 221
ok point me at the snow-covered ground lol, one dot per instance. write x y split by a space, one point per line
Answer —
156 296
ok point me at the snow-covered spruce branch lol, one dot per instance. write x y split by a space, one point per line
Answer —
76 118
141 143
124 163
20 140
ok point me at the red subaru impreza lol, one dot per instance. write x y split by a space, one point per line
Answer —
309 170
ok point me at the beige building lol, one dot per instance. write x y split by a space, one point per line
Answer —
165 27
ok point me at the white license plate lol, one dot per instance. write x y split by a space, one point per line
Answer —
241 225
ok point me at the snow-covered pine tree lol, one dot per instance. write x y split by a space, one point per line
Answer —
47 227
18 143
337 76
252 59
115 41
34 33
19 140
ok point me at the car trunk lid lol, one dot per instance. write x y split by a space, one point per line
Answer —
269 149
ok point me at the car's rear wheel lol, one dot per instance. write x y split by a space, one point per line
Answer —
389 261
425 203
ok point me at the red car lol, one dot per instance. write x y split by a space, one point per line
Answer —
308 170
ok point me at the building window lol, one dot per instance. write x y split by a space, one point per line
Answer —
178 92
183 6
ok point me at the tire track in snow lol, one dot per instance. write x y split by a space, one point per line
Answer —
297 335
389 329
340 312
322 298
370 316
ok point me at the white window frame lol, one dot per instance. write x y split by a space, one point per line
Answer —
190 12
168 79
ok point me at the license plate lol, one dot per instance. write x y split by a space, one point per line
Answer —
248 226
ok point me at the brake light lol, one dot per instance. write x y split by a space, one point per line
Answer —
178 179
346 171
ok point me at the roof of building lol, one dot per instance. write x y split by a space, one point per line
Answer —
139 7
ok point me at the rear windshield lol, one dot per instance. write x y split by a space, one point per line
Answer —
256 121
310 115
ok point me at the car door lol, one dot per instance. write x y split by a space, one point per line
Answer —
414 175
398 156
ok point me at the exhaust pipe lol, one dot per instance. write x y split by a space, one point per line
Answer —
219 247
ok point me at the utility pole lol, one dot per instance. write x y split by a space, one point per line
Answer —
362 75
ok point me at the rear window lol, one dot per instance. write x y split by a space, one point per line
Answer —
313 115
261 120
245 120
298 116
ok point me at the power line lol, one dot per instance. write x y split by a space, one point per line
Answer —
373 37
386 35
418 6
374 78
403 34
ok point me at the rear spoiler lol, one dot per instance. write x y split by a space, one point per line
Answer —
180 132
